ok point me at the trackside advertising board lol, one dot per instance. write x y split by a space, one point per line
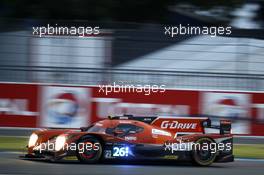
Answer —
57 106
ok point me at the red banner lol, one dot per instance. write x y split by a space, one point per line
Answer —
35 105
18 105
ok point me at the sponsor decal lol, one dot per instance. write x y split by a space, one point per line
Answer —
177 125
108 154
124 121
130 138
160 132
232 106
65 107
171 157
98 124
15 107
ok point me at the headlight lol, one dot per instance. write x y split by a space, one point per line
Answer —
32 140
60 141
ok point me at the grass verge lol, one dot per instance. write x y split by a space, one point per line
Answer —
13 143
254 151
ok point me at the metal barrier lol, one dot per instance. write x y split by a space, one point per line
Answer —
102 60
96 76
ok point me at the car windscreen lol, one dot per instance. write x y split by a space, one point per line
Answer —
96 128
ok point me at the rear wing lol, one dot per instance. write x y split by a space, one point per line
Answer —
225 126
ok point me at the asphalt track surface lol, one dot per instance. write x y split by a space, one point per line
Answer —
11 164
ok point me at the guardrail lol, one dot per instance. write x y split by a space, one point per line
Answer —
96 76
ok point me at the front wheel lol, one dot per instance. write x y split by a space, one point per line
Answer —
89 149
204 151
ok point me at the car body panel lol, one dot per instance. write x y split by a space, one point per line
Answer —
145 138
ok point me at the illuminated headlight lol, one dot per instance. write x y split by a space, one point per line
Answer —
60 141
32 140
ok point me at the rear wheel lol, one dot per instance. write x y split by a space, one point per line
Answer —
204 152
89 149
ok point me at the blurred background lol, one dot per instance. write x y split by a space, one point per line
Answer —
132 43
219 76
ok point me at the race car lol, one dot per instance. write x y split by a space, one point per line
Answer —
137 138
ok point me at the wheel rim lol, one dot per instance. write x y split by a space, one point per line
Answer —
204 156
88 154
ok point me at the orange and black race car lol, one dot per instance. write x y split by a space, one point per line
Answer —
137 138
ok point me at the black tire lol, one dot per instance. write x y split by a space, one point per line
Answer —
89 155
203 157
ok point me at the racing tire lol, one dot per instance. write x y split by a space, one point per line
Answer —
203 157
89 149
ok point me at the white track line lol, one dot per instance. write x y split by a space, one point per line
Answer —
250 137
249 160
14 136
